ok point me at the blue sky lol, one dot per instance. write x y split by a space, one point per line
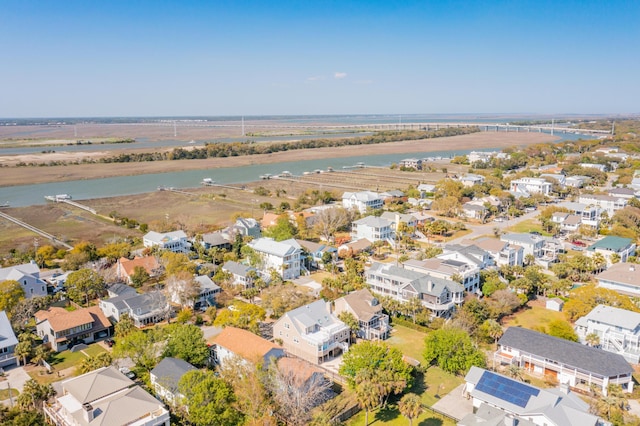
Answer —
244 57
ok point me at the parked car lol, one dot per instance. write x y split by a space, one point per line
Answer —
579 243
130 374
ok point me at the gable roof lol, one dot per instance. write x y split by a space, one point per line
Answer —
149 263
275 248
608 315
206 283
244 343
60 319
165 237
314 313
420 282
363 303
169 371
624 273
373 222
569 353
236 268
9 272
7 335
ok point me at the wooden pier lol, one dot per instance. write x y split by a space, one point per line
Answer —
36 230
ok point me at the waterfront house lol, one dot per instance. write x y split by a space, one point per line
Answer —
61 329
567 362
104 397
247 227
312 332
8 342
618 330
528 185
411 163
175 241
373 323
165 378
501 400
28 275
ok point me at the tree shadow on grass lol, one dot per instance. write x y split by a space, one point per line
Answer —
431 421
387 414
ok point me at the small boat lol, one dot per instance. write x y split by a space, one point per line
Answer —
63 197
265 176
207 181
4 205
192 142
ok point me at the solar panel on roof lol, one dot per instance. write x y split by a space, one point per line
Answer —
506 389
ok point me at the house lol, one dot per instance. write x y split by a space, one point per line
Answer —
605 202
611 247
373 229
471 254
281 256
621 277
247 227
362 201
316 252
217 239
470 179
145 309
600 167
474 210
207 292
567 362
397 218
242 344
589 214
411 163
165 378
392 195
242 274
576 181
500 400
300 376
61 329
268 220
554 304
558 178
501 252
125 268
426 189
8 342
354 248
448 269
528 185
627 193
28 275
480 156
439 295
568 222
175 241
312 332
373 323
618 330
105 397
531 244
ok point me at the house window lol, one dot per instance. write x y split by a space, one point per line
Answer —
286 325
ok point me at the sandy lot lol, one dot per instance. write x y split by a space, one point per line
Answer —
19 175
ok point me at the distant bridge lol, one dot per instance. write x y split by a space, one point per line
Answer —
486 127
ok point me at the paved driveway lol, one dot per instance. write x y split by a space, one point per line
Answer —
16 378
454 404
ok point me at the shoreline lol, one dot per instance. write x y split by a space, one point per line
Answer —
16 176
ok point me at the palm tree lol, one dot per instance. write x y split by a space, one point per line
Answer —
494 329
410 406
592 339
367 394
515 372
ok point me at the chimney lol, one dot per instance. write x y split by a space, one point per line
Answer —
564 388
87 412
430 285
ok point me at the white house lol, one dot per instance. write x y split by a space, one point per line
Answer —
8 342
241 273
605 202
372 321
411 163
144 309
373 229
207 292
281 256
175 241
362 201
468 273
471 179
28 275
621 277
104 397
502 252
500 400
529 185
618 330
612 245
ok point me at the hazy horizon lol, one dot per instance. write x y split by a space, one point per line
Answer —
250 58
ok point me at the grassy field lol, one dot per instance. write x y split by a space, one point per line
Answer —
525 226
533 316
410 342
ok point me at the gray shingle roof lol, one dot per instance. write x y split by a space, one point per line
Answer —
169 372
573 354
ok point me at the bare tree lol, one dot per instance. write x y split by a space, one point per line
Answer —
297 390
182 288
328 221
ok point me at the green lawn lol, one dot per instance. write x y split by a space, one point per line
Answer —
528 225
429 385
66 359
532 317
410 342
4 394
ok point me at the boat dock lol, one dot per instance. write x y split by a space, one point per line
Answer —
65 198
176 190
36 230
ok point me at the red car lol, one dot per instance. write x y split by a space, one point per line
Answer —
579 243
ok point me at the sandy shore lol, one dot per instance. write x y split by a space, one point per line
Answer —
10 176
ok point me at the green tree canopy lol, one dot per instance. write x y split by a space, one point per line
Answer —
562 329
241 315
11 292
84 285
452 350
186 341
282 230
209 400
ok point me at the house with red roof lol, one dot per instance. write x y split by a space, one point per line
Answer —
62 329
